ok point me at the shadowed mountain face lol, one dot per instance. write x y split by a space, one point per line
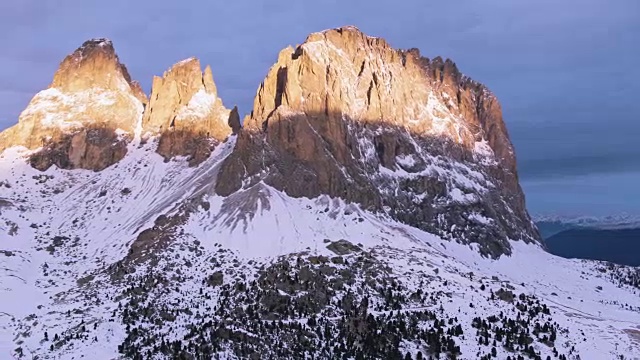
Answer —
92 148
614 238
425 181
621 246
346 115
549 228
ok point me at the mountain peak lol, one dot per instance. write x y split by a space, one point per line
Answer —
347 115
351 32
186 112
362 167
342 30
364 78
98 42
186 62
86 116
94 64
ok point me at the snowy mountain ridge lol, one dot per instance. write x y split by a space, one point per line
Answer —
310 233
613 221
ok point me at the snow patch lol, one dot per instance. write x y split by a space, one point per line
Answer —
200 105
406 160
186 61
57 109
458 196
263 223
480 219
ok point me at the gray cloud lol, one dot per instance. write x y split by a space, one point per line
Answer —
565 71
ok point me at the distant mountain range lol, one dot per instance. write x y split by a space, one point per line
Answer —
614 238
615 221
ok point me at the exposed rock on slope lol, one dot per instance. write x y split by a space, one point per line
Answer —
345 114
187 113
86 116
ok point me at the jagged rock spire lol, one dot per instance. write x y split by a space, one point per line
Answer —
186 96
186 111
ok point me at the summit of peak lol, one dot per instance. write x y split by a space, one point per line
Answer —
94 64
343 28
349 28
192 63
91 49
97 42
349 33
187 60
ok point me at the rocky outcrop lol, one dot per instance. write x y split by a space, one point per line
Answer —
86 116
234 120
90 148
187 113
344 114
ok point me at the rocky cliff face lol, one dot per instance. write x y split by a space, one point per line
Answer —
187 113
86 116
345 114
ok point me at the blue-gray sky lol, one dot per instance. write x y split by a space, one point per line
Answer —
566 72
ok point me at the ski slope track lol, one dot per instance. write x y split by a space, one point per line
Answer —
62 233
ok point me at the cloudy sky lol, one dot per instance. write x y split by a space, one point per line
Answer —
566 72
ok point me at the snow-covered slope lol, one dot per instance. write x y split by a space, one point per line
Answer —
80 279
59 226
